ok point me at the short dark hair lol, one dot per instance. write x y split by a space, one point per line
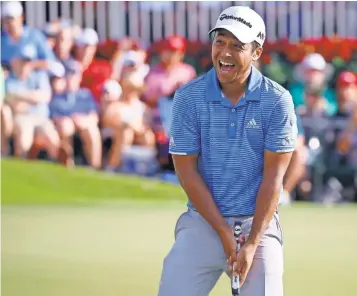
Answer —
255 45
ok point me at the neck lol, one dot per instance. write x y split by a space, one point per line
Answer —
234 90
130 96
16 34
169 66
20 75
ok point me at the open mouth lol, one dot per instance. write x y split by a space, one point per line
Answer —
225 66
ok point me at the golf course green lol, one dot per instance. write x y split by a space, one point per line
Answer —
80 232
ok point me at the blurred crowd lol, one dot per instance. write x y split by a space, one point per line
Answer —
62 99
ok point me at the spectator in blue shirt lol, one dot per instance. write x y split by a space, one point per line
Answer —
15 37
28 93
73 109
6 118
297 166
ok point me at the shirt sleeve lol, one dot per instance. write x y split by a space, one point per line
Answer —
44 50
185 138
43 82
91 104
282 130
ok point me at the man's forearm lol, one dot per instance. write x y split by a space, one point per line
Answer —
267 202
40 65
202 199
31 96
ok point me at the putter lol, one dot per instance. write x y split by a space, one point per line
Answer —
235 279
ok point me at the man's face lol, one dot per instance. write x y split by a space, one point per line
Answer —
315 78
64 42
347 95
170 57
13 24
231 57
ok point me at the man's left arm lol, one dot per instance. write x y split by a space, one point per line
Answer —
45 53
280 144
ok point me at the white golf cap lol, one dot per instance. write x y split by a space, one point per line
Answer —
112 87
314 61
132 57
243 22
57 69
11 9
88 36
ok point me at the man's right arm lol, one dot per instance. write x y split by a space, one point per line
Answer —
185 146
197 191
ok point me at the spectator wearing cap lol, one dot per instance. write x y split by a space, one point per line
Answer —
95 71
73 109
128 118
311 94
342 128
169 72
51 31
16 37
132 58
111 93
64 42
346 93
28 94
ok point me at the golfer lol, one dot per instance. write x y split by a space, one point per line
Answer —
232 135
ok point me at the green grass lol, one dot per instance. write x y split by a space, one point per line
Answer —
60 246
46 183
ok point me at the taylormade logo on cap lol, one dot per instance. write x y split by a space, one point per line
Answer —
232 17
244 23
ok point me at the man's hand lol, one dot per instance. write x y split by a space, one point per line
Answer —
243 262
229 243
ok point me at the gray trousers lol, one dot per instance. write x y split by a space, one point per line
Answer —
197 259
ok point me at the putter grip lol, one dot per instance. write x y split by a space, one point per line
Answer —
235 279
235 286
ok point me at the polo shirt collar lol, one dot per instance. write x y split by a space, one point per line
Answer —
214 91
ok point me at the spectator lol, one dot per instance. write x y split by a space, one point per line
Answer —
6 118
73 109
28 94
134 60
16 37
346 93
128 118
64 43
297 166
164 77
95 71
125 45
50 31
311 94
347 101
111 94
161 127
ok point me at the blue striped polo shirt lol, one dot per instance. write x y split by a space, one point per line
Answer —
230 139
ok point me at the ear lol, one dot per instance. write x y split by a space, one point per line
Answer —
257 53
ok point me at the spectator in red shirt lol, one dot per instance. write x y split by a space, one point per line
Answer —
95 71
164 77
